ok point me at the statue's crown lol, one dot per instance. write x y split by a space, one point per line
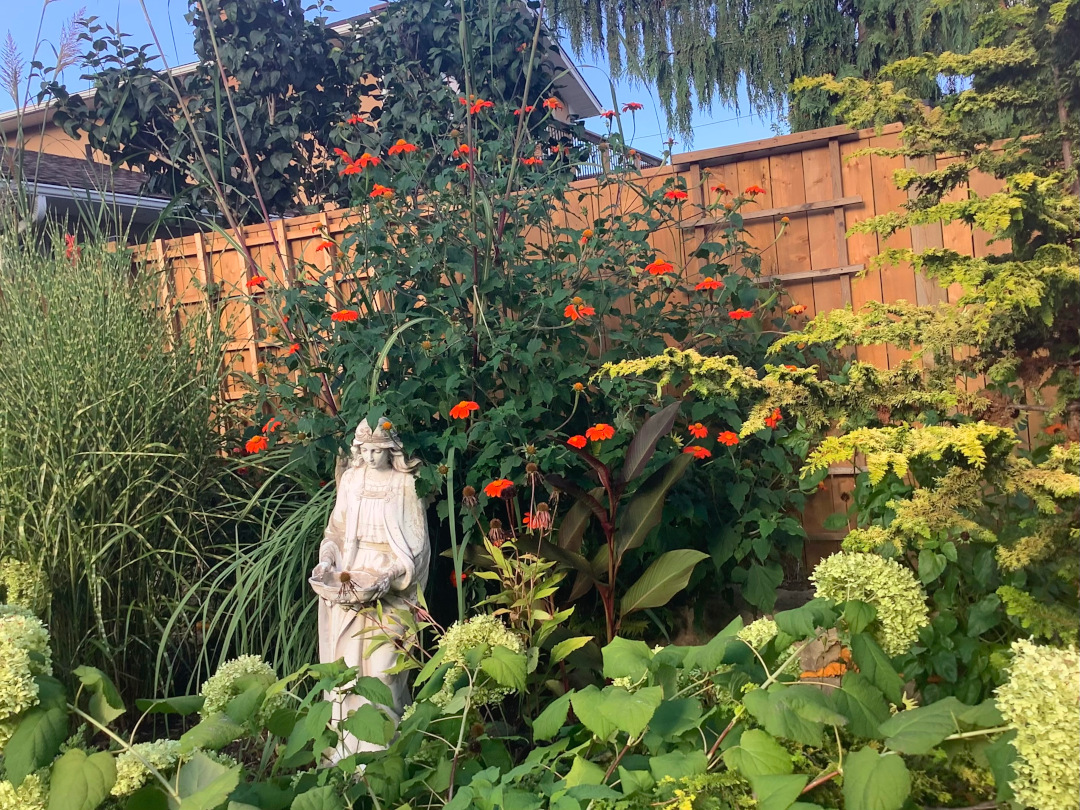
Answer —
383 435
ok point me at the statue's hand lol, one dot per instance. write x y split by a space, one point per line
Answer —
382 585
320 571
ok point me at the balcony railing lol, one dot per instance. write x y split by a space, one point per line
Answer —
599 157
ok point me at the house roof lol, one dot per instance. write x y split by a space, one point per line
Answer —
43 169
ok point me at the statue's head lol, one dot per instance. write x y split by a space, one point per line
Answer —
379 448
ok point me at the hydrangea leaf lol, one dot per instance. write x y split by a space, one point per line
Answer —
212 733
552 718
758 754
625 658
203 784
320 798
778 791
863 705
875 782
81 782
36 740
875 665
919 731
506 667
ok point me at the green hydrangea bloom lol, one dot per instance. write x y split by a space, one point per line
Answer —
24 653
459 639
32 794
885 584
131 771
225 684
24 585
1040 701
759 632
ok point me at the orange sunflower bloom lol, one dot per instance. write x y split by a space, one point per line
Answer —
659 267
402 147
533 161
325 245
256 281
463 167
740 314
754 190
256 444
578 309
709 283
479 105
600 432
1054 429
607 115
577 441
552 104
381 191
675 194
791 368
632 106
455 580
351 168
720 188
697 452
774 419
497 487
698 430
798 309
728 438
294 348
345 316
367 159
528 108
272 425
463 409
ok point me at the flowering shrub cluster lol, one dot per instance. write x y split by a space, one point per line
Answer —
131 770
482 631
232 678
24 654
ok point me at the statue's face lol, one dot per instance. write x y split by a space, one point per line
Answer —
377 457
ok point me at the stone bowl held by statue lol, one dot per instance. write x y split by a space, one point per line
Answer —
346 587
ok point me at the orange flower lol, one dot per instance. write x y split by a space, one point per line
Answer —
463 409
464 149
576 311
272 425
632 106
798 309
256 281
351 168
325 245
659 267
552 104
792 368
402 147
740 314
476 106
709 283
579 387
533 161
675 194
698 430
366 160
345 316
774 419
294 348
577 441
607 115
463 167
754 190
497 487
1054 429
599 432
256 444
529 108
381 191
728 438
355 119
720 188
455 581
341 153
697 452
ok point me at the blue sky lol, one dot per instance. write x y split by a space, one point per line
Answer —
720 127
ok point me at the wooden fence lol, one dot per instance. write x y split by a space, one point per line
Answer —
818 179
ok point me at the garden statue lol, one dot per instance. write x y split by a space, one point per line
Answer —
373 561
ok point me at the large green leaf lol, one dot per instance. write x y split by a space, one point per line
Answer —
876 666
588 705
203 784
718 650
583 772
81 782
757 754
105 702
326 797
674 717
369 724
212 733
919 731
875 782
568 646
614 709
797 712
183 704
626 658
643 445
761 584
777 791
642 514
35 742
552 718
803 622
863 705
506 667
678 764
668 575
575 521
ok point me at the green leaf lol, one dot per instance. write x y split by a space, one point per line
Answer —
588 706
203 784
784 717
803 622
633 782
758 754
326 797
242 707
863 705
35 742
374 690
183 704
761 584
678 764
984 615
919 731
369 724
778 792
212 733
624 658
150 797
835 522
876 666
668 575
642 514
859 615
931 564
583 772
716 653
574 522
875 782
568 646
506 667
105 702
552 718
81 782
631 711
674 717
983 715
1000 755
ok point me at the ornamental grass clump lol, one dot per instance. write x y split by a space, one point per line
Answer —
24 654
461 638
892 589
1040 701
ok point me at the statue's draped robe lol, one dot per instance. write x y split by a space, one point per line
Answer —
377 526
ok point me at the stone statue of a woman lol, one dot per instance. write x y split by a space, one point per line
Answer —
375 549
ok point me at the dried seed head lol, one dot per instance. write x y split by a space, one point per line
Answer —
495 532
579 387
443 469
468 497
541 518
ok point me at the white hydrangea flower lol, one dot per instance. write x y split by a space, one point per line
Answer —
759 632
131 771
24 585
224 685
1040 701
459 639
24 653
30 795
888 586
